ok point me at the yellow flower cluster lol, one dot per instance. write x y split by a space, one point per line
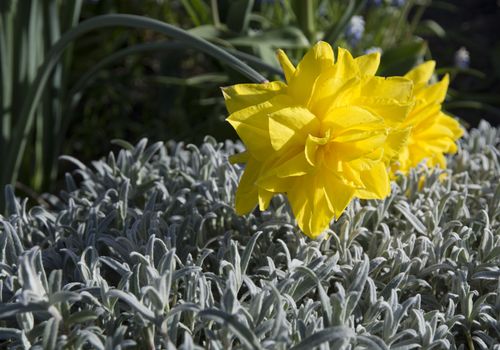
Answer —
332 132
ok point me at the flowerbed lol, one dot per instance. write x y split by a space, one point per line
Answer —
145 250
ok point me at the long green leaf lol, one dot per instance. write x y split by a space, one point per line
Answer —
16 149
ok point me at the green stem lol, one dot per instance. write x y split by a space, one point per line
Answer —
401 21
419 12
215 13
76 91
304 11
334 32
26 118
159 46
470 344
352 8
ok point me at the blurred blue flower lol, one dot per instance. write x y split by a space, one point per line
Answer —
462 58
398 3
355 29
374 2
373 49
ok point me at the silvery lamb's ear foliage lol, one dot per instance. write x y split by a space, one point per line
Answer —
145 250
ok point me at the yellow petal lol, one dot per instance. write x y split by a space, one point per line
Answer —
247 193
436 132
437 92
286 65
338 194
351 175
368 64
256 139
316 60
422 73
339 84
312 145
417 154
295 166
376 183
345 67
330 92
275 184
239 157
396 140
264 198
367 161
396 88
451 124
310 207
438 160
422 115
276 172
356 144
291 125
316 200
392 112
241 96
341 119
252 125
402 162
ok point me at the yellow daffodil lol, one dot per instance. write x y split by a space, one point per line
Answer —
322 138
433 133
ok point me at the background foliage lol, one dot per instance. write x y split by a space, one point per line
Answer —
145 249
123 83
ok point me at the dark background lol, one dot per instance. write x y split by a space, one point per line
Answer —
475 25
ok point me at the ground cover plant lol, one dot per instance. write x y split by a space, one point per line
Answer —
145 250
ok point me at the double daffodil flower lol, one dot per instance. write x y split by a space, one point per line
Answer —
325 136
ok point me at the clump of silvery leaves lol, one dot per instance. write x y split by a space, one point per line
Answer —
145 251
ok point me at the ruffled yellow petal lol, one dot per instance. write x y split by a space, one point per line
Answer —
422 73
330 93
435 93
252 125
247 192
368 64
291 125
395 142
368 160
355 145
376 183
392 111
316 60
397 88
241 96
313 144
316 200
264 198
344 118
345 67
295 166
338 195
452 124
